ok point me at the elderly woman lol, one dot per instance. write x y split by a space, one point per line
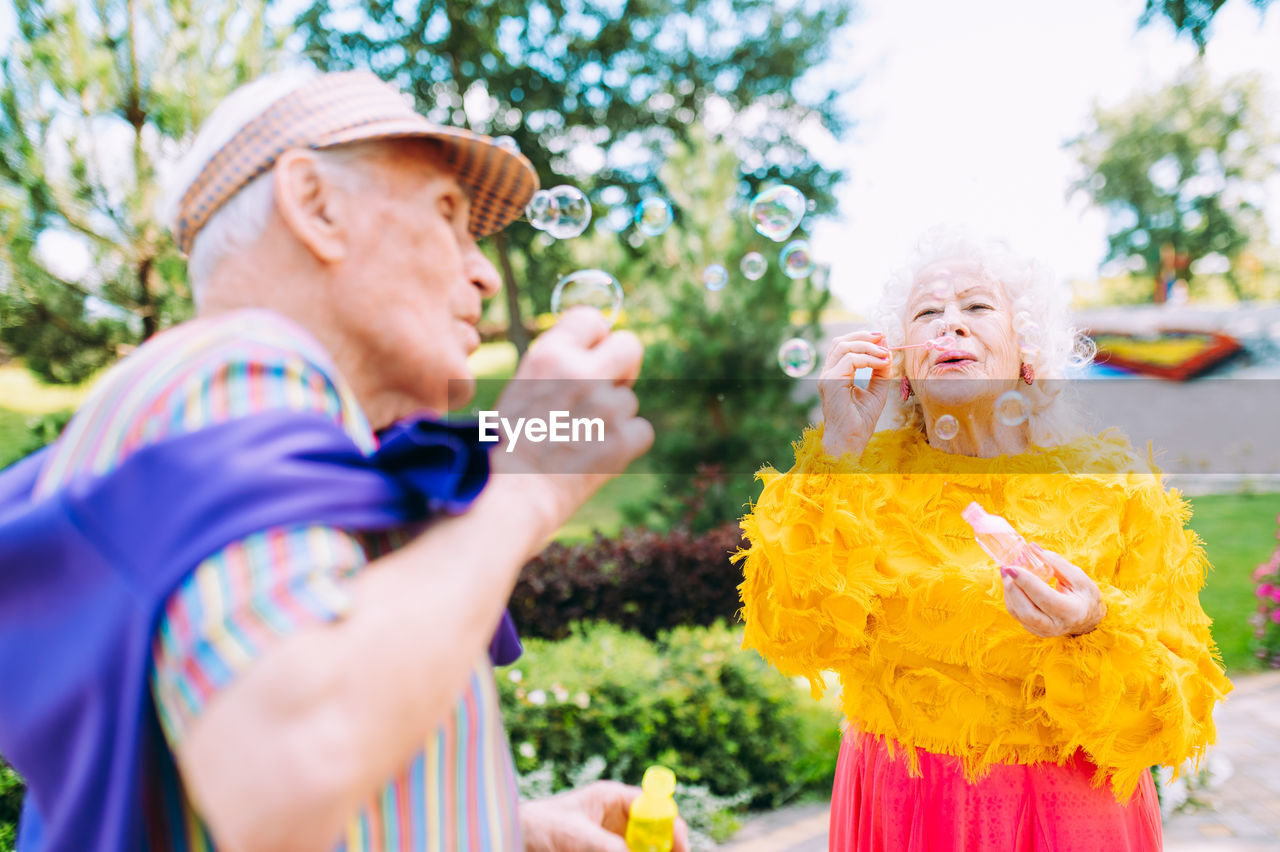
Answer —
986 708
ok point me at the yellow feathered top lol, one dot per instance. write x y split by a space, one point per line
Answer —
866 568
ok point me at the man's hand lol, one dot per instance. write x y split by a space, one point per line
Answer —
590 819
581 367
1075 607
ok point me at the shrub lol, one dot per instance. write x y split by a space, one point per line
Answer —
642 581
1266 620
11 789
693 700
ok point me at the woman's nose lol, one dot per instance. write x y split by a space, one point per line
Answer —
953 321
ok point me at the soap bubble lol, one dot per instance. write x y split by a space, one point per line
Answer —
1025 325
1028 351
506 143
653 216
940 288
1011 408
796 259
715 277
947 427
572 212
594 288
797 358
753 266
777 211
541 210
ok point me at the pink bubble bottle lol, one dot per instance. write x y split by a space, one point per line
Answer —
1003 544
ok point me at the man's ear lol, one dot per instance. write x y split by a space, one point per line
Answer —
311 204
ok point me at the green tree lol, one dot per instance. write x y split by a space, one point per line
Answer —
1183 166
1190 17
95 95
595 93
712 387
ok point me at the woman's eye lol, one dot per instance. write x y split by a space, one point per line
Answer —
926 313
980 307
448 208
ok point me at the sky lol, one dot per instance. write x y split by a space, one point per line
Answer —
962 110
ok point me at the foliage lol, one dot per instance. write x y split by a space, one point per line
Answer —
642 581
94 97
711 385
694 701
1266 620
11 789
1190 17
1183 166
595 94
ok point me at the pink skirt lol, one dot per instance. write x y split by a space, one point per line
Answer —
877 807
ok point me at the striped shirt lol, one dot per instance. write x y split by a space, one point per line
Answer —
458 792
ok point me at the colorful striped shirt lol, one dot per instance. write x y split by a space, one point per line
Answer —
459 792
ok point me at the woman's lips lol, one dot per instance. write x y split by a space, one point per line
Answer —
953 359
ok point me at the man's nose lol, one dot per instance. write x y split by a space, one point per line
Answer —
481 271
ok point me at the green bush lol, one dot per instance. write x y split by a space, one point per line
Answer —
11 789
692 700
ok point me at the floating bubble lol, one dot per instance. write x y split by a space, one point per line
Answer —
593 288
797 357
506 143
715 277
947 427
753 266
777 211
1028 351
1024 324
541 210
653 216
796 259
572 212
1011 408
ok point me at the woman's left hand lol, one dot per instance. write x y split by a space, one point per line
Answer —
1075 607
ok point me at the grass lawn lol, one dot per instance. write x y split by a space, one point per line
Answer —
1239 532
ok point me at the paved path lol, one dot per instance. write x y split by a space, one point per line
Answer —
1243 815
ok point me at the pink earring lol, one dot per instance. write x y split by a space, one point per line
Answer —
906 389
1028 374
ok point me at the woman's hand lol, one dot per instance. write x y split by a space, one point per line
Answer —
1075 607
849 413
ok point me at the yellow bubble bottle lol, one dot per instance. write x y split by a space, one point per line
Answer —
651 826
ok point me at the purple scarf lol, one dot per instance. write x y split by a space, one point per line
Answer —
85 573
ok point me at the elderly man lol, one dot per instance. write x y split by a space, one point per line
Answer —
319 685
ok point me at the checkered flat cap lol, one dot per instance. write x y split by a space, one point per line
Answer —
356 106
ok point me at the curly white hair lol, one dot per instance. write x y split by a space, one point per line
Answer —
1050 345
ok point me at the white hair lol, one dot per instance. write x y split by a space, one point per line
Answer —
1050 345
239 222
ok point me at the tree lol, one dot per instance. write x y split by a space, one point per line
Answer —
595 93
712 387
1182 170
1191 17
94 97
